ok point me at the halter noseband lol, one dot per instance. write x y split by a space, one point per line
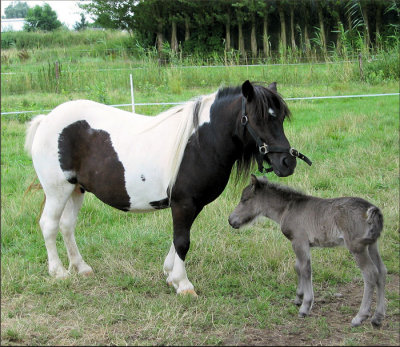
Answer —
263 148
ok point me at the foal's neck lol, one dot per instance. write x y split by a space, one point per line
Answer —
277 199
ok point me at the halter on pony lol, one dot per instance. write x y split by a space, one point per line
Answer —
263 148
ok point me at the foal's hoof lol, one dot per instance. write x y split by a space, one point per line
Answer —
356 321
189 291
376 322
297 302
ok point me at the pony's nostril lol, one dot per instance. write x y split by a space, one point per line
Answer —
284 162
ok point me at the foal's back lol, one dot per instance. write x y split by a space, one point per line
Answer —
329 222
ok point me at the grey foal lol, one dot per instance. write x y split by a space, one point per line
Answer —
309 221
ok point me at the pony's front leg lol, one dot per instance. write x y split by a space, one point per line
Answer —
183 216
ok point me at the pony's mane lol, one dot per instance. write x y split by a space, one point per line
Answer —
192 111
264 98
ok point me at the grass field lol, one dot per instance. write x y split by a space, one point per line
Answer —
245 279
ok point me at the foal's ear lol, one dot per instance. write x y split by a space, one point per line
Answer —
248 90
273 87
254 182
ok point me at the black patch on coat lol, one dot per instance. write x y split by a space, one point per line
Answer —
89 154
143 178
161 204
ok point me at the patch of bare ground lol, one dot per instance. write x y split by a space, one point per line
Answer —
329 322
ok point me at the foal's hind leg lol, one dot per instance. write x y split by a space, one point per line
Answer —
370 276
67 226
56 199
380 292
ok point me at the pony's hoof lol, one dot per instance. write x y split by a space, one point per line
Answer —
59 273
82 269
189 291
169 283
87 273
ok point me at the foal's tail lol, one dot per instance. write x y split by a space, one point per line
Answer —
374 225
31 131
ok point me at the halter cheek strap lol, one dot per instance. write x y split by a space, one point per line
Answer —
263 148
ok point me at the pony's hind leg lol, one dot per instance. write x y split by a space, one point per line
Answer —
67 226
380 292
169 263
56 199
370 276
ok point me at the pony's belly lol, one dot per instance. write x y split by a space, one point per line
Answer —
147 191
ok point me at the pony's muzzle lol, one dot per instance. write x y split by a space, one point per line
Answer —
284 166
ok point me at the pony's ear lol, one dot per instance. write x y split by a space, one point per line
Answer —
272 86
248 90
254 182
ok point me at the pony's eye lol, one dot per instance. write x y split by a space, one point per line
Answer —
271 112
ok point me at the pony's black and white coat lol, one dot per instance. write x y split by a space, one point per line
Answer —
180 159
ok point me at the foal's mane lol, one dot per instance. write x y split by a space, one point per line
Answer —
285 192
264 98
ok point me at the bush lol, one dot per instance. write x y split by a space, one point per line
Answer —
384 67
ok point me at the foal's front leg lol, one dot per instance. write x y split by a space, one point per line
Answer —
183 216
304 293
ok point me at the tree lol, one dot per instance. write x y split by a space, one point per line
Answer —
264 9
41 18
283 26
241 18
223 14
113 14
83 24
16 10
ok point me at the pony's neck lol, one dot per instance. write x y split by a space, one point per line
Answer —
225 117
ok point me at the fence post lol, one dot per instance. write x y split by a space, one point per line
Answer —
132 97
360 64
57 73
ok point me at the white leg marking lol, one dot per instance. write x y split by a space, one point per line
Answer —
67 226
169 263
179 277
49 223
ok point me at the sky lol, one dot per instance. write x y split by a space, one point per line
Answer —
68 12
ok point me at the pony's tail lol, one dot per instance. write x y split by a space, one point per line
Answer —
31 131
374 225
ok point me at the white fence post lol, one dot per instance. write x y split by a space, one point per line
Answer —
132 97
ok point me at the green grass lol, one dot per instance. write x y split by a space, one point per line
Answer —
245 279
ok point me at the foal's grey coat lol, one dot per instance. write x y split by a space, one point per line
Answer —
310 221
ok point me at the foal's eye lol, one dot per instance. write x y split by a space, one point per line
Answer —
243 200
